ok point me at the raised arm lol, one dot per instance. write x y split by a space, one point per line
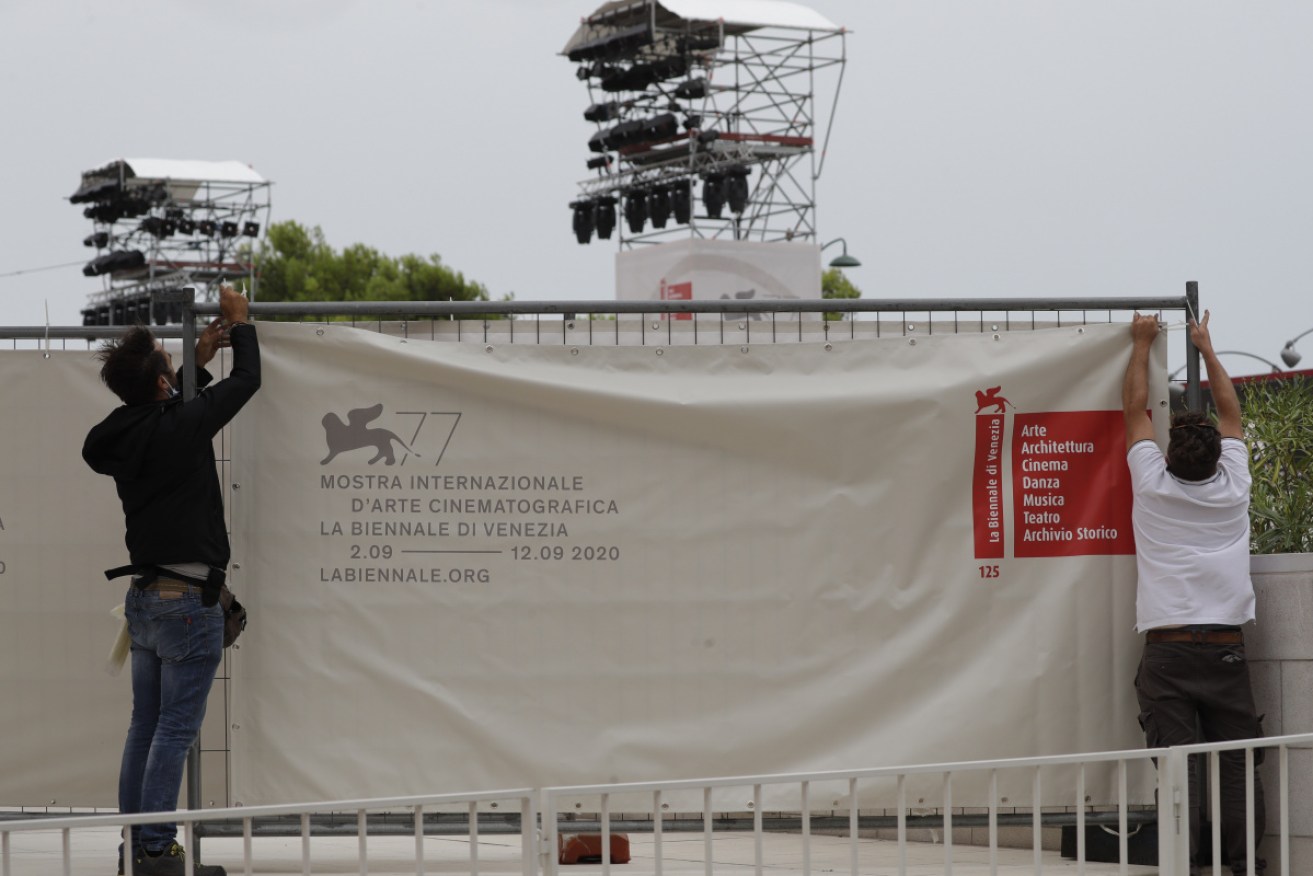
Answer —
1135 388
1225 399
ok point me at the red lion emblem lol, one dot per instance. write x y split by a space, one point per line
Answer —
991 398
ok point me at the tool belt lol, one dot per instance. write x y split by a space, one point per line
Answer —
214 591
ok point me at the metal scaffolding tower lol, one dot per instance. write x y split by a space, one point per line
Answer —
708 95
159 225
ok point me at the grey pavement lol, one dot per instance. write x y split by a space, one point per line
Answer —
92 851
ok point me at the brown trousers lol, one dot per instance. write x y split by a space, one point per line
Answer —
1188 691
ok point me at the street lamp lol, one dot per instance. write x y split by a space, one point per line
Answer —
1176 393
1289 354
1276 369
845 260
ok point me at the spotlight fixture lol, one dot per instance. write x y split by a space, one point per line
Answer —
130 316
597 142
207 227
635 211
699 42
599 162
681 201
736 187
158 227
583 220
635 131
108 213
602 112
165 312
693 89
661 127
186 226
640 76
604 217
251 229
99 240
658 206
228 229
119 260
713 194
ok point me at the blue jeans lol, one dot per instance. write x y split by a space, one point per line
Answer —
177 645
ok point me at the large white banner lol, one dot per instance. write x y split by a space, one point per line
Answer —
476 566
62 717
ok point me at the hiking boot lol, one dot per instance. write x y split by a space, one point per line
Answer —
171 862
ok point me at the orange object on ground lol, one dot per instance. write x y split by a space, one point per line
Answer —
586 848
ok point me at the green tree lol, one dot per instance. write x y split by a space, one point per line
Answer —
1278 419
297 264
835 285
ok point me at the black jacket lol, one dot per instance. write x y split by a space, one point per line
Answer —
161 456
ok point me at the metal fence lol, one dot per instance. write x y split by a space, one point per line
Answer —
646 323
538 817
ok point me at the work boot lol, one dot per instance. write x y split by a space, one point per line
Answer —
171 862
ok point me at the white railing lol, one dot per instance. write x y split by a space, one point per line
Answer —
188 819
539 845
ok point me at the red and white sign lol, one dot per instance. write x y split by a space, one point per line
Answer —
1070 486
677 292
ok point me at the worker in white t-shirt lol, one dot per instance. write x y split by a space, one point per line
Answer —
1191 520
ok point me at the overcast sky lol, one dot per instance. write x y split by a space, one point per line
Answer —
1023 148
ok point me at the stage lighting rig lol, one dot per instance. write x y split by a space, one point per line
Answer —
729 102
171 224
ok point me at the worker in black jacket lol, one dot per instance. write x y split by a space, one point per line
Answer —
160 451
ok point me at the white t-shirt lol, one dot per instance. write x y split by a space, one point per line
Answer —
1191 540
